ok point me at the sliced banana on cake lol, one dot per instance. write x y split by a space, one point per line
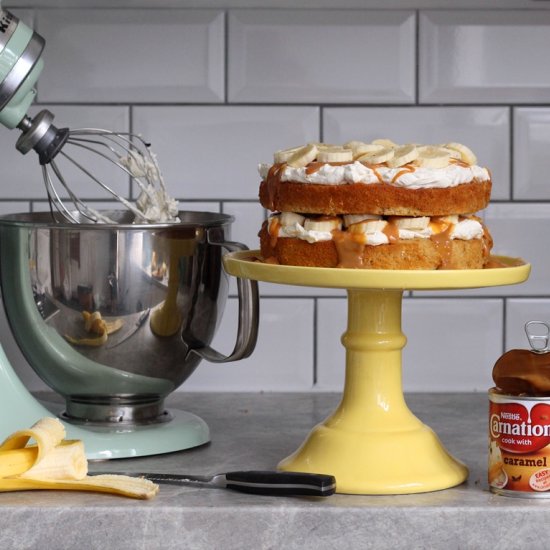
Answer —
282 156
350 219
377 157
430 156
359 148
466 154
322 225
412 224
369 227
291 218
303 156
334 154
403 155
388 143
451 218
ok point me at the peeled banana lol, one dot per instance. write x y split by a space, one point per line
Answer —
55 463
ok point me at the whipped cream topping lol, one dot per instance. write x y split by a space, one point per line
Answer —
465 229
357 172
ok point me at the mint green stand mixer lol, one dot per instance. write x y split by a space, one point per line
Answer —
161 284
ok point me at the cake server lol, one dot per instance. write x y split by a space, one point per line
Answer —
252 481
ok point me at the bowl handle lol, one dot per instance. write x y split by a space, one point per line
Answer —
249 308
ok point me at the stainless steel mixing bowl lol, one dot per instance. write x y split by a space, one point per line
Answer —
156 294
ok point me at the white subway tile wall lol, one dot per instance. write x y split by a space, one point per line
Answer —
216 91
321 56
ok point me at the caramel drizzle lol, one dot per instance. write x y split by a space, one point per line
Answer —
442 241
273 231
407 169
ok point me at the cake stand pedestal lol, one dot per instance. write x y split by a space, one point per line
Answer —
373 443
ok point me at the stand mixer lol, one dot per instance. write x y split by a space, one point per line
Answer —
161 284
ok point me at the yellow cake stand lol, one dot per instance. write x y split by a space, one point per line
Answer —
373 443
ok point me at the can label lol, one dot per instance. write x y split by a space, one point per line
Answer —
519 444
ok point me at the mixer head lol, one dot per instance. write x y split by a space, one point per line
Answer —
20 65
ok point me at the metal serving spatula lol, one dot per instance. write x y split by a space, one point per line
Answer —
252 481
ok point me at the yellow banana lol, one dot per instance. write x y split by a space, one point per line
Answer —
55 463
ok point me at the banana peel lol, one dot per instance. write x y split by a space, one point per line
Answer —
53 462
95 324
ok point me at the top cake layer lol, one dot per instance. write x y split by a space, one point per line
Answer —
380 177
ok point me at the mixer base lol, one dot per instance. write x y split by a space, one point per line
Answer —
184 431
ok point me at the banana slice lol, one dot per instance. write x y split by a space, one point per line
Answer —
385 142
321 145
466 154
364 148
376 157
368 227
334 154
451 218
324 225
403 155
303 156
452 152
350 219
430 156
291 218
413 224
352 144
285 154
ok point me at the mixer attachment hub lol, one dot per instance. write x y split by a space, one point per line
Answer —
41 135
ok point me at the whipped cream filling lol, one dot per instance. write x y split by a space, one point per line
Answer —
465 229
357 172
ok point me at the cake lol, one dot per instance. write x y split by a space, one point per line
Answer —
375 205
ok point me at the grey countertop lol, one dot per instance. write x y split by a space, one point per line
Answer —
255 431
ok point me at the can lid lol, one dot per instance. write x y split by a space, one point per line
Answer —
538 334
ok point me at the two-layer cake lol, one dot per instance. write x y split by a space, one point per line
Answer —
375 205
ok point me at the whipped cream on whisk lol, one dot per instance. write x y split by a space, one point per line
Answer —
153 204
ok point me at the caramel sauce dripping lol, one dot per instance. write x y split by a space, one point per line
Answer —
376 173
495 263
273 230
392 232
442 241
350 248
407 169
273 180
458 162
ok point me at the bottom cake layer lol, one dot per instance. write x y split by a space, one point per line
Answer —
345 252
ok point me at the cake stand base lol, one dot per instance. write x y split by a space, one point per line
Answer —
373 443
394 463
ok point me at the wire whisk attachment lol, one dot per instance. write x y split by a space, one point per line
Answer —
128 152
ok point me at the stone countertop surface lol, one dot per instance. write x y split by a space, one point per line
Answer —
255 431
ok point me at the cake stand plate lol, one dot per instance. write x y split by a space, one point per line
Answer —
372 443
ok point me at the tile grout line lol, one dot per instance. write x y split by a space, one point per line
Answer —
417 59
315 339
